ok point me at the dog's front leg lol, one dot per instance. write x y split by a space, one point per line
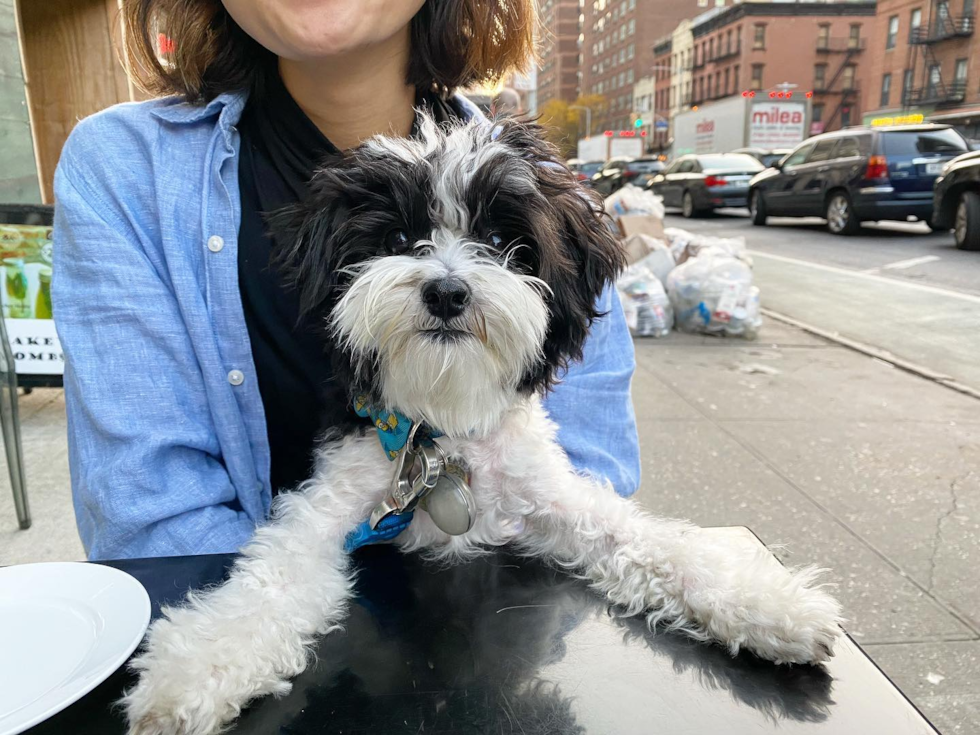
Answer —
203 661
665 569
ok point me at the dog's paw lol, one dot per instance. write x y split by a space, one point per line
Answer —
193 680
784 616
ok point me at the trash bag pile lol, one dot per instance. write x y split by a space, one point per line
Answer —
632 200
694 283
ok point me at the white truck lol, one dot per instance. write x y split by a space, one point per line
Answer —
742 122
604 147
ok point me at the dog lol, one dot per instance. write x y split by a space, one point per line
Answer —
458 273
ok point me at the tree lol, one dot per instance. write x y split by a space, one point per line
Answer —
564 124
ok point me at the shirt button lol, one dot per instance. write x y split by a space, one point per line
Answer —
236 377
215 243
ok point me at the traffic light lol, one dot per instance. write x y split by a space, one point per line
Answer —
809 95
638 123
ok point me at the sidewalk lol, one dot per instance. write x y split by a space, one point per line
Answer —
846 461
850 464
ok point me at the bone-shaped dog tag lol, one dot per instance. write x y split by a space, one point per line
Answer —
450 503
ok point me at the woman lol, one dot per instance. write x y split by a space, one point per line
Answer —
195 391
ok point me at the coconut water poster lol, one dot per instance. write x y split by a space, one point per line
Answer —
25 255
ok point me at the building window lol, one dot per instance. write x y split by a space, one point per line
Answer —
759 39
727 79
629 76
632 27
622 78
823 35
845 117
735 77
848 78
916 18
906 87
892 32
817 113
820 76
935 75
632 4
622 56
959 77
968 8
886 90
757 76
629 51
854 39
711 49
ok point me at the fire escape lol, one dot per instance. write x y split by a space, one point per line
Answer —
934 89
847 49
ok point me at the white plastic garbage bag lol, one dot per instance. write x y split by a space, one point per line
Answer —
632 200
713 294
685 245
645 303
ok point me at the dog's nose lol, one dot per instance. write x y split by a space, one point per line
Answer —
446 297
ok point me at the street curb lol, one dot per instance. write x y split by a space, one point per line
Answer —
866 349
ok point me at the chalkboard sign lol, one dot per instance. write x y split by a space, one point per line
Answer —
25 254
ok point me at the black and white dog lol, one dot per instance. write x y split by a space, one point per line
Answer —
459 272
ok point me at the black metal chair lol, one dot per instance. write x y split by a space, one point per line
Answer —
31 215
10 421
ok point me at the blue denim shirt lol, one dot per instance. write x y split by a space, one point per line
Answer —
166 429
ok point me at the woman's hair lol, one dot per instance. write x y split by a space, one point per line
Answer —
454 43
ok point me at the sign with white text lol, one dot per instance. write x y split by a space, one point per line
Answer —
26 261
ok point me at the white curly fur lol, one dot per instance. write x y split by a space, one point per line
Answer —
203 661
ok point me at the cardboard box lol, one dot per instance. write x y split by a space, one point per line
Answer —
642 224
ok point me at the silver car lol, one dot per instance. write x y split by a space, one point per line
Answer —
700 183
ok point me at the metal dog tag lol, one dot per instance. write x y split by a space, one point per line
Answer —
450 503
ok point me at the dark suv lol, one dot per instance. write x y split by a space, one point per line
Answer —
957 201
856 175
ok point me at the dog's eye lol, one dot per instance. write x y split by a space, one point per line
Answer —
496 240
396 242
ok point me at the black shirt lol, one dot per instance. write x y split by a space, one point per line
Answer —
280 148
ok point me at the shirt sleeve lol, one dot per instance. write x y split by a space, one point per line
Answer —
146 467
592 405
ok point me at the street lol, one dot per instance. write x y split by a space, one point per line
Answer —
896 287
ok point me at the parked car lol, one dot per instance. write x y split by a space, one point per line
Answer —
585 170
956 201
618 172
857 174
700 183
765 156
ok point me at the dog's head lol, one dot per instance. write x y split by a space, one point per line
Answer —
456 270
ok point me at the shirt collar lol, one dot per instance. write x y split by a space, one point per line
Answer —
229 106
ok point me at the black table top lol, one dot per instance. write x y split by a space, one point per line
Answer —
507 645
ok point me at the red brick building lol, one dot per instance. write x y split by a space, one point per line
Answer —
558 71
757 46
925 61
662 70
617 49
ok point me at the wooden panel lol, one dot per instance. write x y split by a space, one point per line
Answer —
71 69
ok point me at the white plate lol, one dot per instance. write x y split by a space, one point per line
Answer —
934 168
64 628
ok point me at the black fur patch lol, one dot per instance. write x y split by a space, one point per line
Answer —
558 231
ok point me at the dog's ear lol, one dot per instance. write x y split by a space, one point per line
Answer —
305 237
578 252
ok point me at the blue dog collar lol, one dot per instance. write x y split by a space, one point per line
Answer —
393 427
